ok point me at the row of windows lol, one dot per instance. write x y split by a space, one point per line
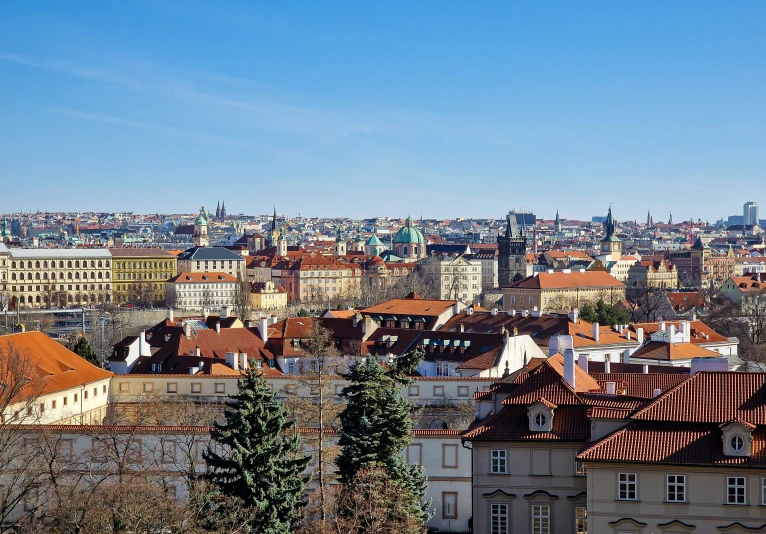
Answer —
144 276
540 519
675 488
438 391
499 457
144 265
69 264
40 408
93 275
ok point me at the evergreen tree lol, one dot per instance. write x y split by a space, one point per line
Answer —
83 349
259 461
603 314
376 428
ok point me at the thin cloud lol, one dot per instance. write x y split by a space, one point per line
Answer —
173 131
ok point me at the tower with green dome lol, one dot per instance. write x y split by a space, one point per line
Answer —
409 243
201 237
5 234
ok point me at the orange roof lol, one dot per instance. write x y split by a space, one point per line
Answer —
562 280
51 366
583 380
201 278
658 350
411 306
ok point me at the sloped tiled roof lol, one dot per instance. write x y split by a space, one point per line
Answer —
562 280
658 350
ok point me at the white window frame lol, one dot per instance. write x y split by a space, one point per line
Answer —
498 462
675 484
580 469
541 519
498 518
581 520
627 483
735 485
541 420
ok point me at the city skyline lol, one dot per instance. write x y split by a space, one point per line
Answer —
465 111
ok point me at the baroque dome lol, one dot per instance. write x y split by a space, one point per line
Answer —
409 234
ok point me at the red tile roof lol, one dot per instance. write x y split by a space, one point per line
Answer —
561 280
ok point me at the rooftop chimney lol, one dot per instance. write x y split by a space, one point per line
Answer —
171 315
535 312
569 368
232 360
218 327
461 327
607 366
263 328
469 311
224 312
187 329
627 334
524 313
494 311
273 319
582 361
357 319
640 335
656 393
611 388
663 326
645 368
197 352
573 315
596 332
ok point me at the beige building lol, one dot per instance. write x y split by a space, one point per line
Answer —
660 274
689 462
265 296
59 277
561 291
456 278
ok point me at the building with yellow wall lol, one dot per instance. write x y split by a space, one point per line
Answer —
139 274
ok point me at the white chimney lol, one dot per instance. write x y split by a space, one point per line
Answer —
273 319
582 361
627 334
469 311
205 312
171 315
626 356
607 366
611 388
197 352
243 363
494 311
663 326
596 332
656 393
224 312
187 329
193 370
573 314
569 368
232 360
535 312
645 368
263 328
461 327
357 319
640 335
218 327
524 313
512 313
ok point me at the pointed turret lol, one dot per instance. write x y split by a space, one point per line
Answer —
223 210
218 210
558 222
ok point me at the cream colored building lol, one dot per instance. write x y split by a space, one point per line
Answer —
265 296
192 291
59 277
660 274
456 278
561 291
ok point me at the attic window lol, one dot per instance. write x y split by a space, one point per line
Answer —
737 443
540 420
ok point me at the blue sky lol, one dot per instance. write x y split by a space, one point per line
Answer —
383 108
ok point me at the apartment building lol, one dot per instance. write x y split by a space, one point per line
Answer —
59 277
198 290
139 274
562 291
211 259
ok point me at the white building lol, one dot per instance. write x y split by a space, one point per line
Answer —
211 290
456 278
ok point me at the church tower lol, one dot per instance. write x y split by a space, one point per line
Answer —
201 237
558 223
281 245
611 245
512 251
340 244
274 231
223 210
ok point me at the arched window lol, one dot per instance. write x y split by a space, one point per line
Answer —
99 276
37 264
37 299
29 265
13 276
92 275
107 274
13 265
21 276
99 264
45 264
69 276
92 264
77 275
61 264
107 264
45 276
29 299
37 276
69 264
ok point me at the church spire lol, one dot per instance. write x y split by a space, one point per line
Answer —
223 210
218 210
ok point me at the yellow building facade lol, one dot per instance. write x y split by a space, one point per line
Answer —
139 274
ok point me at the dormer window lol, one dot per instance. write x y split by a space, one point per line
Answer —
737 438
541 416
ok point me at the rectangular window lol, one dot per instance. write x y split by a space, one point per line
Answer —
124 387
413 391
76 397
85 395
415 454
580 470
541 519
196 387
449 505
676 488
438 391
627 487
462 391
449 456
148 387
172 387
581 520
53 404
499 462
498 518
220 387
736 490
65 401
